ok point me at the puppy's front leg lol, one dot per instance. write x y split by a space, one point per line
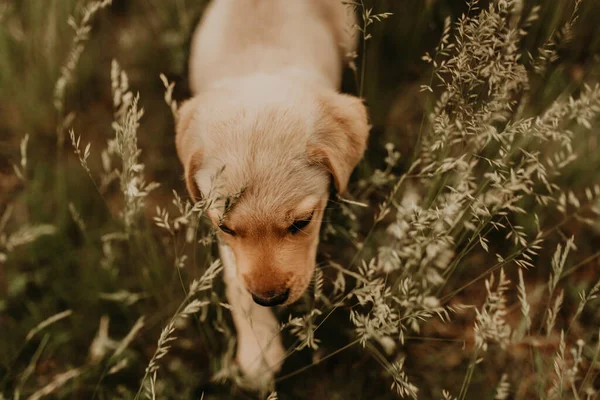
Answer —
259 349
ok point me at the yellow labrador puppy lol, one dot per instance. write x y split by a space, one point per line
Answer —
265 74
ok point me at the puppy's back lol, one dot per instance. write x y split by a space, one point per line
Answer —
306 39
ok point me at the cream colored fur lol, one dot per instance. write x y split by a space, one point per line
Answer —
265 75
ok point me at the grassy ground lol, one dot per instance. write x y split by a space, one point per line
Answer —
72 265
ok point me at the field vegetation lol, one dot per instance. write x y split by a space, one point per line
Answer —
464 263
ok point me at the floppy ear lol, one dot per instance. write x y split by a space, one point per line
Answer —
340 137
188 149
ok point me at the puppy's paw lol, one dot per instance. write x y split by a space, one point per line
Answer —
260 358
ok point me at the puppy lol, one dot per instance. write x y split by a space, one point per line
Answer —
267 119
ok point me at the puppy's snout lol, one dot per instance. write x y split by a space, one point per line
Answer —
271 298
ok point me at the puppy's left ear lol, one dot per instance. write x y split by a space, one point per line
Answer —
340 136
189 149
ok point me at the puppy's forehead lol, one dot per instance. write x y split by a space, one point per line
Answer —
306 206
248 212
283 210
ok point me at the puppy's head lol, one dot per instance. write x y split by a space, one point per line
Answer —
274 149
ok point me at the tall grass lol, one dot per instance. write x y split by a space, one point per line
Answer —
463 268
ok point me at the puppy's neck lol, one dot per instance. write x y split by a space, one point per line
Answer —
299 40
299 76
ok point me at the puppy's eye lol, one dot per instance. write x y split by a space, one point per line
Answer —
299 224
227 230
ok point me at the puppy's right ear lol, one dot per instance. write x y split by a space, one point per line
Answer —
189 149
340 136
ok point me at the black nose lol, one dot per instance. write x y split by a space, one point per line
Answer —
274 300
